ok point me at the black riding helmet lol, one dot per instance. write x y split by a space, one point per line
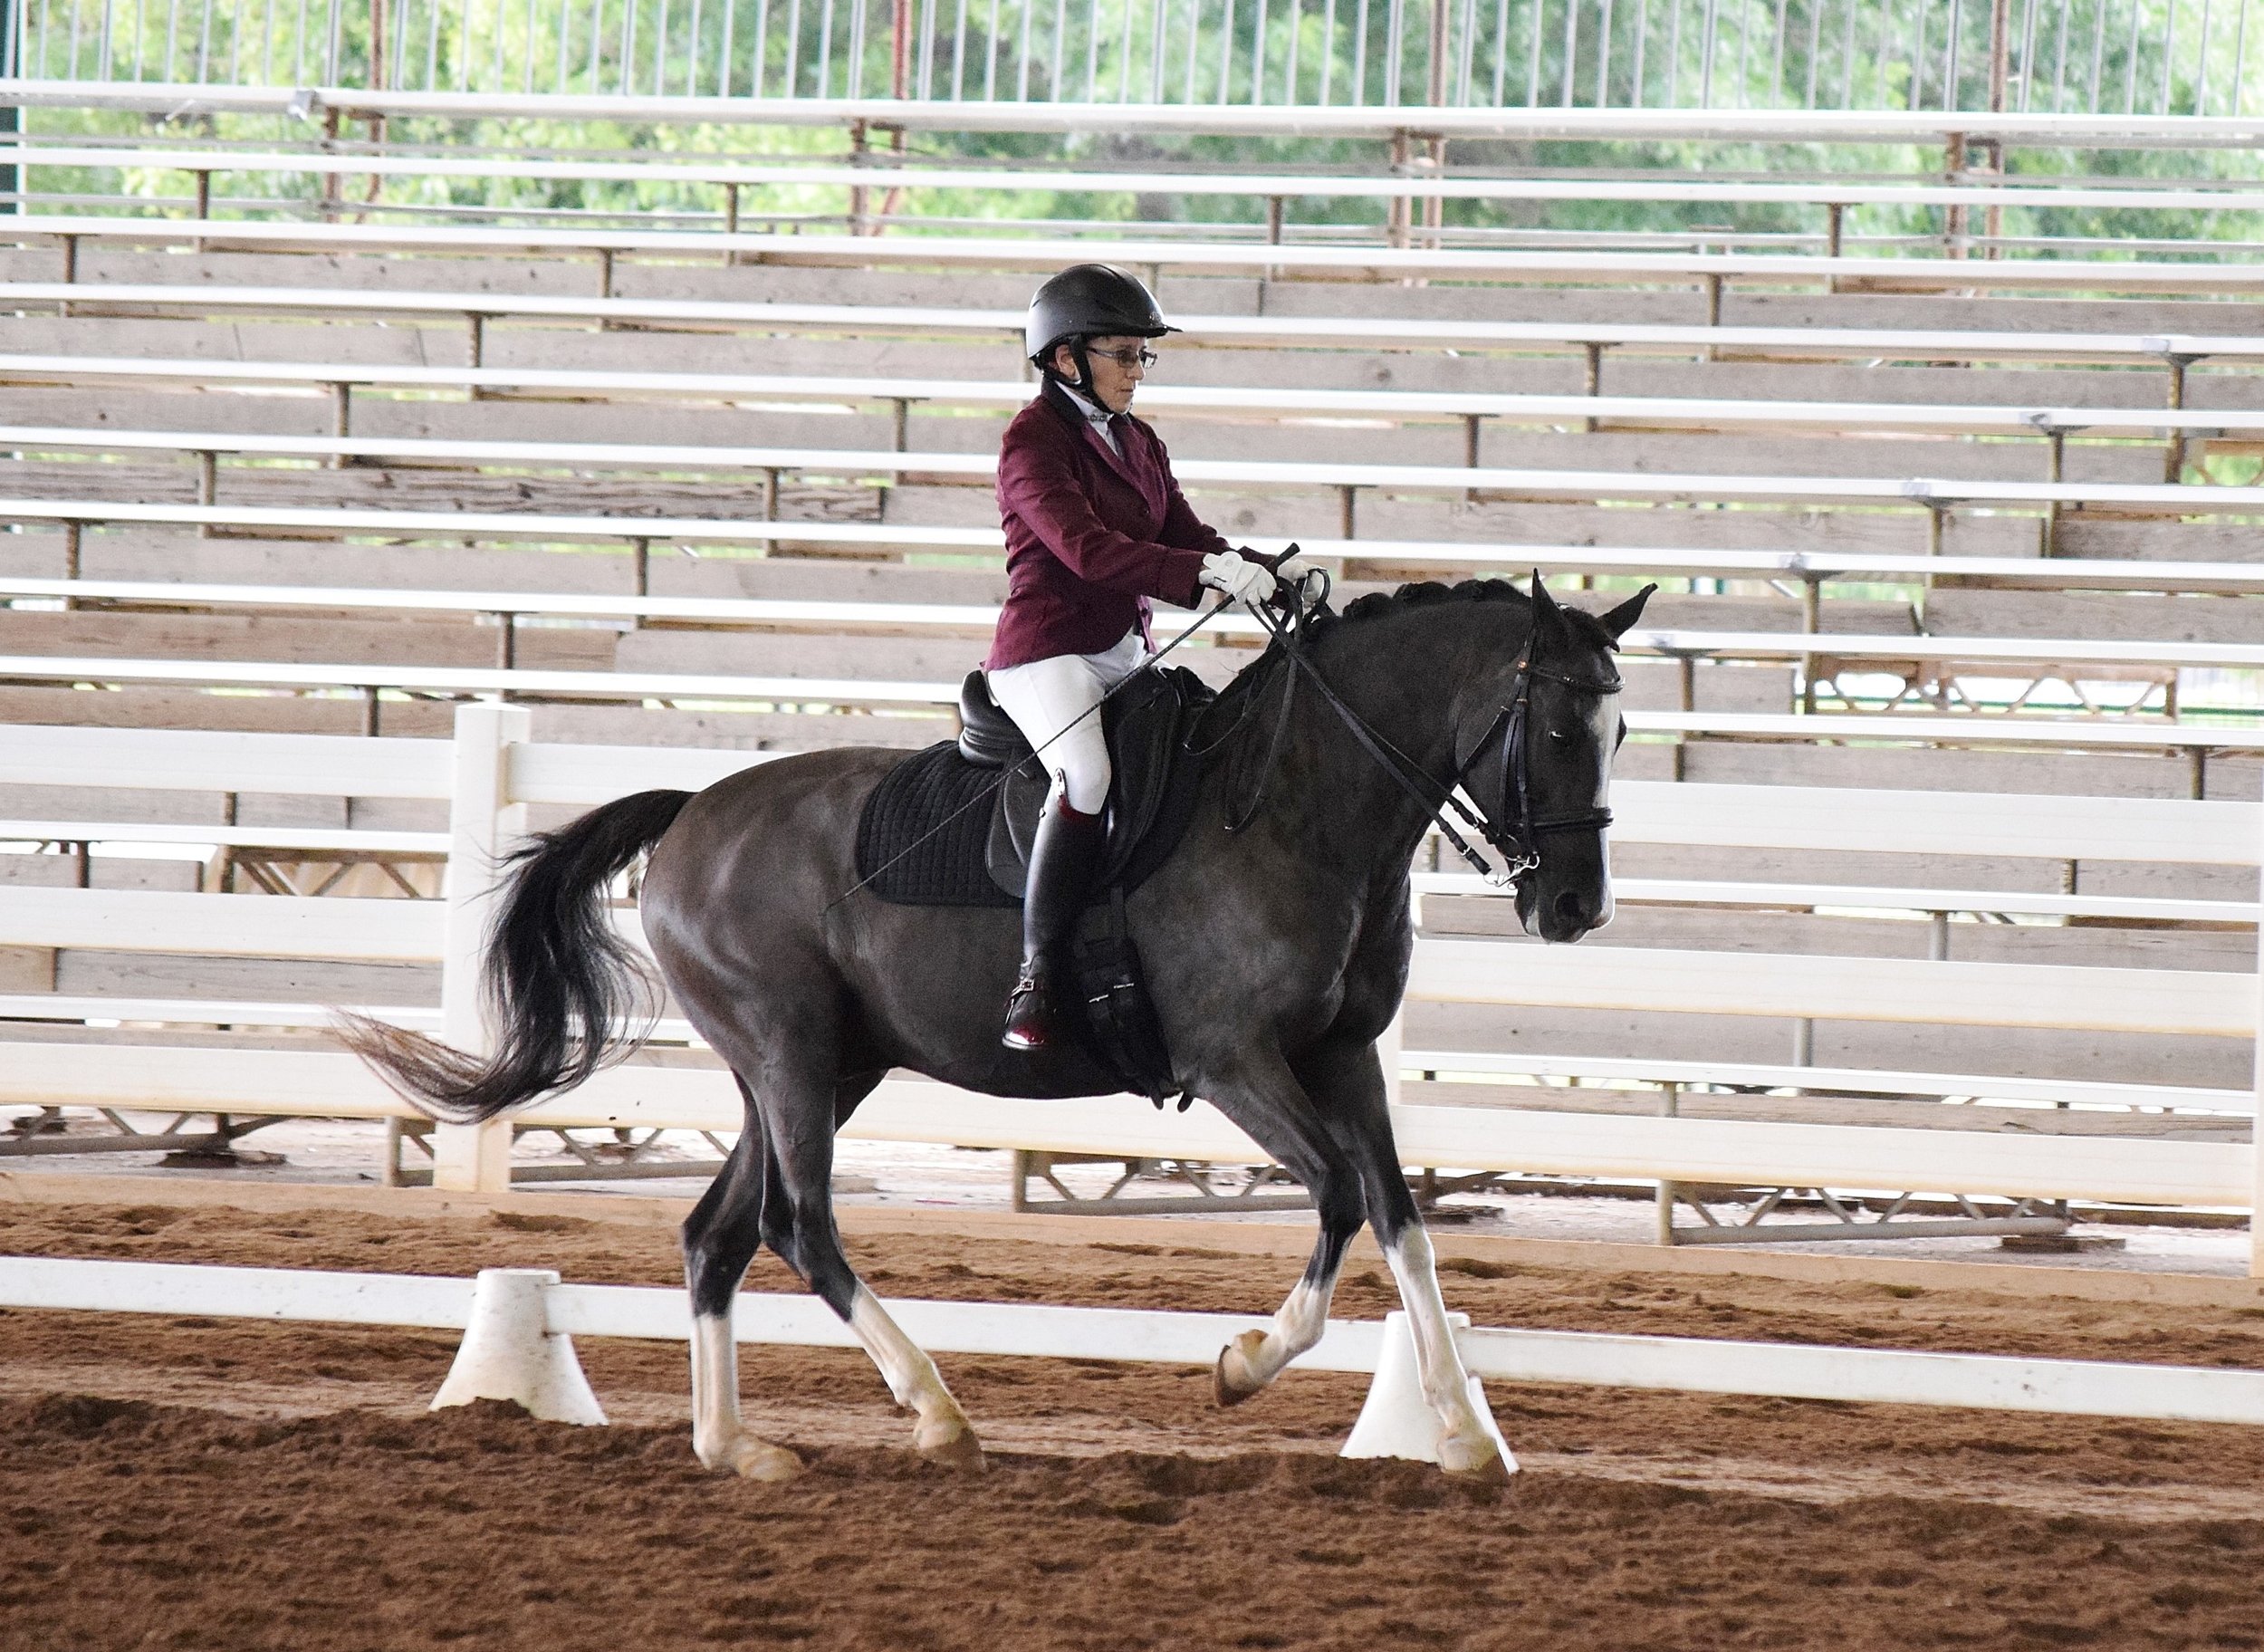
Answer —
1088 300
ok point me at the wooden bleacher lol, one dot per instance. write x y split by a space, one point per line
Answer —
795 548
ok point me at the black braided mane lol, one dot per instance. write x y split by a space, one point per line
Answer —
1430 594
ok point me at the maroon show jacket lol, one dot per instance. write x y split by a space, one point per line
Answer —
1090 537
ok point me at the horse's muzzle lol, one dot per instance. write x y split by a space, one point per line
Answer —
1566 916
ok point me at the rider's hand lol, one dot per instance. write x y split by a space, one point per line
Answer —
1292 568
1246 581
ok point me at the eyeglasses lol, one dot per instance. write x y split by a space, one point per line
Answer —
1143 356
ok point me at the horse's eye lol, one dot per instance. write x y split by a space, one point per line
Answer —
1560 736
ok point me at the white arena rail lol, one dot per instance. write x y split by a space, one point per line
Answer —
490 772
1583 1359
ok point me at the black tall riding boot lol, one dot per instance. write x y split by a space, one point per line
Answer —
1063 862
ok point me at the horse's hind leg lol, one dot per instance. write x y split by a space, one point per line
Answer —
797 1221
720 1239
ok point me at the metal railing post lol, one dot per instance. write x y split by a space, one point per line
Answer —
483 820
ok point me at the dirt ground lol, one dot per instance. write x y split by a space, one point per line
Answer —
219 1484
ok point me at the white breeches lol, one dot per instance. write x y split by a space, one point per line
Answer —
1047 696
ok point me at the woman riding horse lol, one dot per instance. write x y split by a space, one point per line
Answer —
1096 525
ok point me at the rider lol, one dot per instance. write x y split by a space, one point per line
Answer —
1095 526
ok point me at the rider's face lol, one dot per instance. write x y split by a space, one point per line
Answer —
1113 383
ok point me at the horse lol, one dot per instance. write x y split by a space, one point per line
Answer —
1278 944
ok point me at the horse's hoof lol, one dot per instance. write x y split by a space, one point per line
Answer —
759 1460
952 1443
1230 1381
1477 1457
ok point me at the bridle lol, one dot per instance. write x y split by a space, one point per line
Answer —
1502 756
1500 762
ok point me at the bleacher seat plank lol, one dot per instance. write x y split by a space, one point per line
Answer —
2129 1058
1729 930
1295 267
2158 623
1825 1108
1461 336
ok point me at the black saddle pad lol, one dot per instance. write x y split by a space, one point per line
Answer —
977 852
935 790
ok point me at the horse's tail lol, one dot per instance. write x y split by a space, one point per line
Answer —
557 978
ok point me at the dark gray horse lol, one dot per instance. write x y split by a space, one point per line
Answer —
1276 955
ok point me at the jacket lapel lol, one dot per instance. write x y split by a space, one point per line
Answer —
1125 465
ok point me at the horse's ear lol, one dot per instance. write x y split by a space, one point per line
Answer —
1619 618
1544 603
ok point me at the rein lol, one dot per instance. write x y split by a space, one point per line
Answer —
1517 841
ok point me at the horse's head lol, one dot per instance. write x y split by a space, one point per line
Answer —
1538 762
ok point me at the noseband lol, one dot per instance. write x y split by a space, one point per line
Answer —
1502 756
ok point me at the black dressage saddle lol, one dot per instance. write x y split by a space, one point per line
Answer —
952 825
929 835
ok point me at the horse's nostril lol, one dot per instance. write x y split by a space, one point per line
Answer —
1571 909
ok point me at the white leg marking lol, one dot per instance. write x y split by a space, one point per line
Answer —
718 1437
1256 1357
943 1430
1468 1442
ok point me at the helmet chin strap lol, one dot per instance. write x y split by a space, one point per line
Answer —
1083 383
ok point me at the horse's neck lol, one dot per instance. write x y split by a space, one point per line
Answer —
1337 791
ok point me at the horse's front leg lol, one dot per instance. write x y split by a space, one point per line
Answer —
1352 1101
1266 1100
1255 1358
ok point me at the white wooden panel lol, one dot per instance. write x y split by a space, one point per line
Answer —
1739 1152
335 765
259 1293
1935 823
557 773
230 926
317 838
320 1083
903 1109
2195 1002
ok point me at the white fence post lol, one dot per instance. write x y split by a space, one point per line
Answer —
483 822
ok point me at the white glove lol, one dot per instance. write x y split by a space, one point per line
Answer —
1248 582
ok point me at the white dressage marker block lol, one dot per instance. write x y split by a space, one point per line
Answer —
508 1352
1396 1421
